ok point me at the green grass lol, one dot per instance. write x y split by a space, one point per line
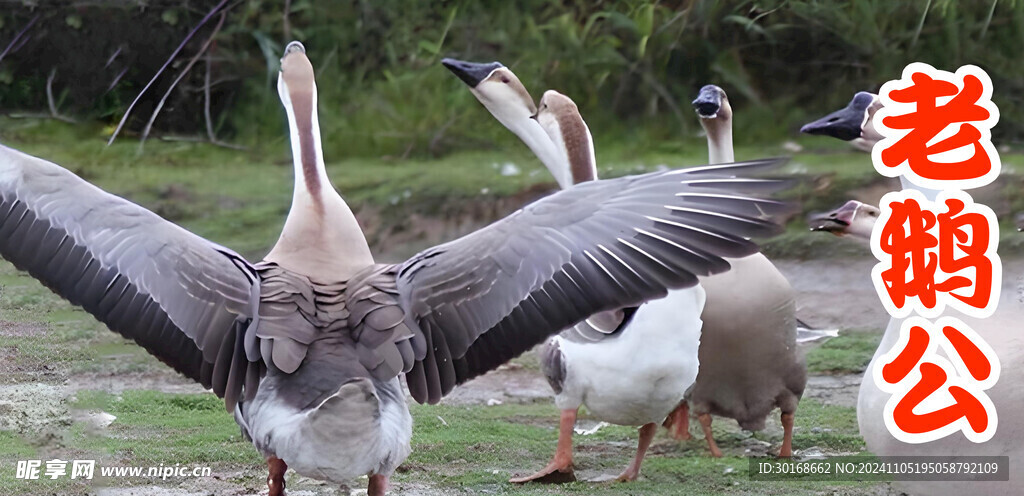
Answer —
849 353
473 450
154 428
480 447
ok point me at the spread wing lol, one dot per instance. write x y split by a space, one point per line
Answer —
478 301
186 300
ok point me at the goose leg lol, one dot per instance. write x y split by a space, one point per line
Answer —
560 469
275 481
378 485
705 423
647 432
787 436
678 422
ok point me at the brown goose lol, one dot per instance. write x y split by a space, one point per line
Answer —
749 360
306 346
752 299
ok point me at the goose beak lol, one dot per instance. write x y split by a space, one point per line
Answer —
295 81
846 124
471 73
836 221
708 102
293 47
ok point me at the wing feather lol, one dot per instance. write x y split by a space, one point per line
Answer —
184 299
478 301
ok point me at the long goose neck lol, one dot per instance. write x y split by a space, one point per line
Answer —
321 237
533 135
719 132
576 145
311 181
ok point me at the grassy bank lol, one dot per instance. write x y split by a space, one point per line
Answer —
240 198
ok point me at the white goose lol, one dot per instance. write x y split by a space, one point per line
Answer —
1001 331
630 366
753 299
307 345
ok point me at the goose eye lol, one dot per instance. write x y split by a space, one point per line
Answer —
505 79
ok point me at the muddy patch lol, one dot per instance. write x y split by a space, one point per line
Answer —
834 390
508 384
836 293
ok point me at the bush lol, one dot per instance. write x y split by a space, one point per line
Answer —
631 65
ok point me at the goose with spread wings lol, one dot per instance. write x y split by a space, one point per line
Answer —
306 346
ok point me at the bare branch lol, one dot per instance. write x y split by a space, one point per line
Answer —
206 101
50 100
117 79
206 111
287 23
113 56
160 105
18 36
22 42
162 68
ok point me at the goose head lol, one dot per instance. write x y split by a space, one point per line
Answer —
498 89
1019 221
854 219
558 115
712 103
715 112
855 123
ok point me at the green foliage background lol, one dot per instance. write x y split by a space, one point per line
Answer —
631 65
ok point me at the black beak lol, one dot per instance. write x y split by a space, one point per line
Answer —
708 102
835 221
470 73
844 124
